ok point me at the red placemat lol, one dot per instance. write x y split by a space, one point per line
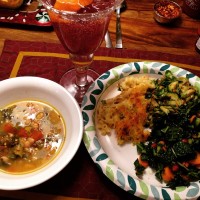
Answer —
51 61
81 178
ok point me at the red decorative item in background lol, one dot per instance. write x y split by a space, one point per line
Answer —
30 13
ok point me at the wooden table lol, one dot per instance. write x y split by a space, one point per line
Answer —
140 32
139 29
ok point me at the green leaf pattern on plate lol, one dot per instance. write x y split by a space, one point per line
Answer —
166 195
93 101
121 179
85 118
104 76
90 128
157 65
193 191
145 69
137 66
145 190
100 84
101 157
164 67
190 75
174 69
110 162
181 188
114 173
97 91
110 173
155 192
182 73
114 79
86 140
152 71
197 85
177 197
127 69
132 184
96 148
91 106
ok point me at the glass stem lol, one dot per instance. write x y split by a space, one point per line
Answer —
81 64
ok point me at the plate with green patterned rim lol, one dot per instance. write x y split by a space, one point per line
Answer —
116 162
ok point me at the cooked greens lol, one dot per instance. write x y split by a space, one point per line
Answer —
173 148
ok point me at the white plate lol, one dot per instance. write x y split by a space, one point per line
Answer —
116 162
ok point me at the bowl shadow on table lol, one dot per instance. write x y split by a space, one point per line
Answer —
81 178
174 24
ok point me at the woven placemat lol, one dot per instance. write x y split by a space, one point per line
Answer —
83 180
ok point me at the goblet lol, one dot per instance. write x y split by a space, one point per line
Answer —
81 33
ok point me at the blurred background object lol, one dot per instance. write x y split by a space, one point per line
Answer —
167 11
192 8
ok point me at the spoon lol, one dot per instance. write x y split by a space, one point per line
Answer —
119 9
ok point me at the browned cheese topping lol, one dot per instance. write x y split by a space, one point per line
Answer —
126 113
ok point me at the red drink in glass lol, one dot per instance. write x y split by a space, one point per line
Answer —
83 35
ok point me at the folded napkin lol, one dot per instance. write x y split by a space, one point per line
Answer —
82 180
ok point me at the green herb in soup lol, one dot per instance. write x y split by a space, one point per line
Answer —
31 134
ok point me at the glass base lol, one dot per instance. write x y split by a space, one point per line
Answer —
68 81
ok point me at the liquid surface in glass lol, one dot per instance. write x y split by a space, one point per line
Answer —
83 35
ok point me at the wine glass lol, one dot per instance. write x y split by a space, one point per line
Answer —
81 33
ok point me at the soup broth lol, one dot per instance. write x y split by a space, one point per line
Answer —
31 135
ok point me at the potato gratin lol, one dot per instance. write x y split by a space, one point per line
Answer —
126 113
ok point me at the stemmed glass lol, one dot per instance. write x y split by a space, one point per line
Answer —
81 33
